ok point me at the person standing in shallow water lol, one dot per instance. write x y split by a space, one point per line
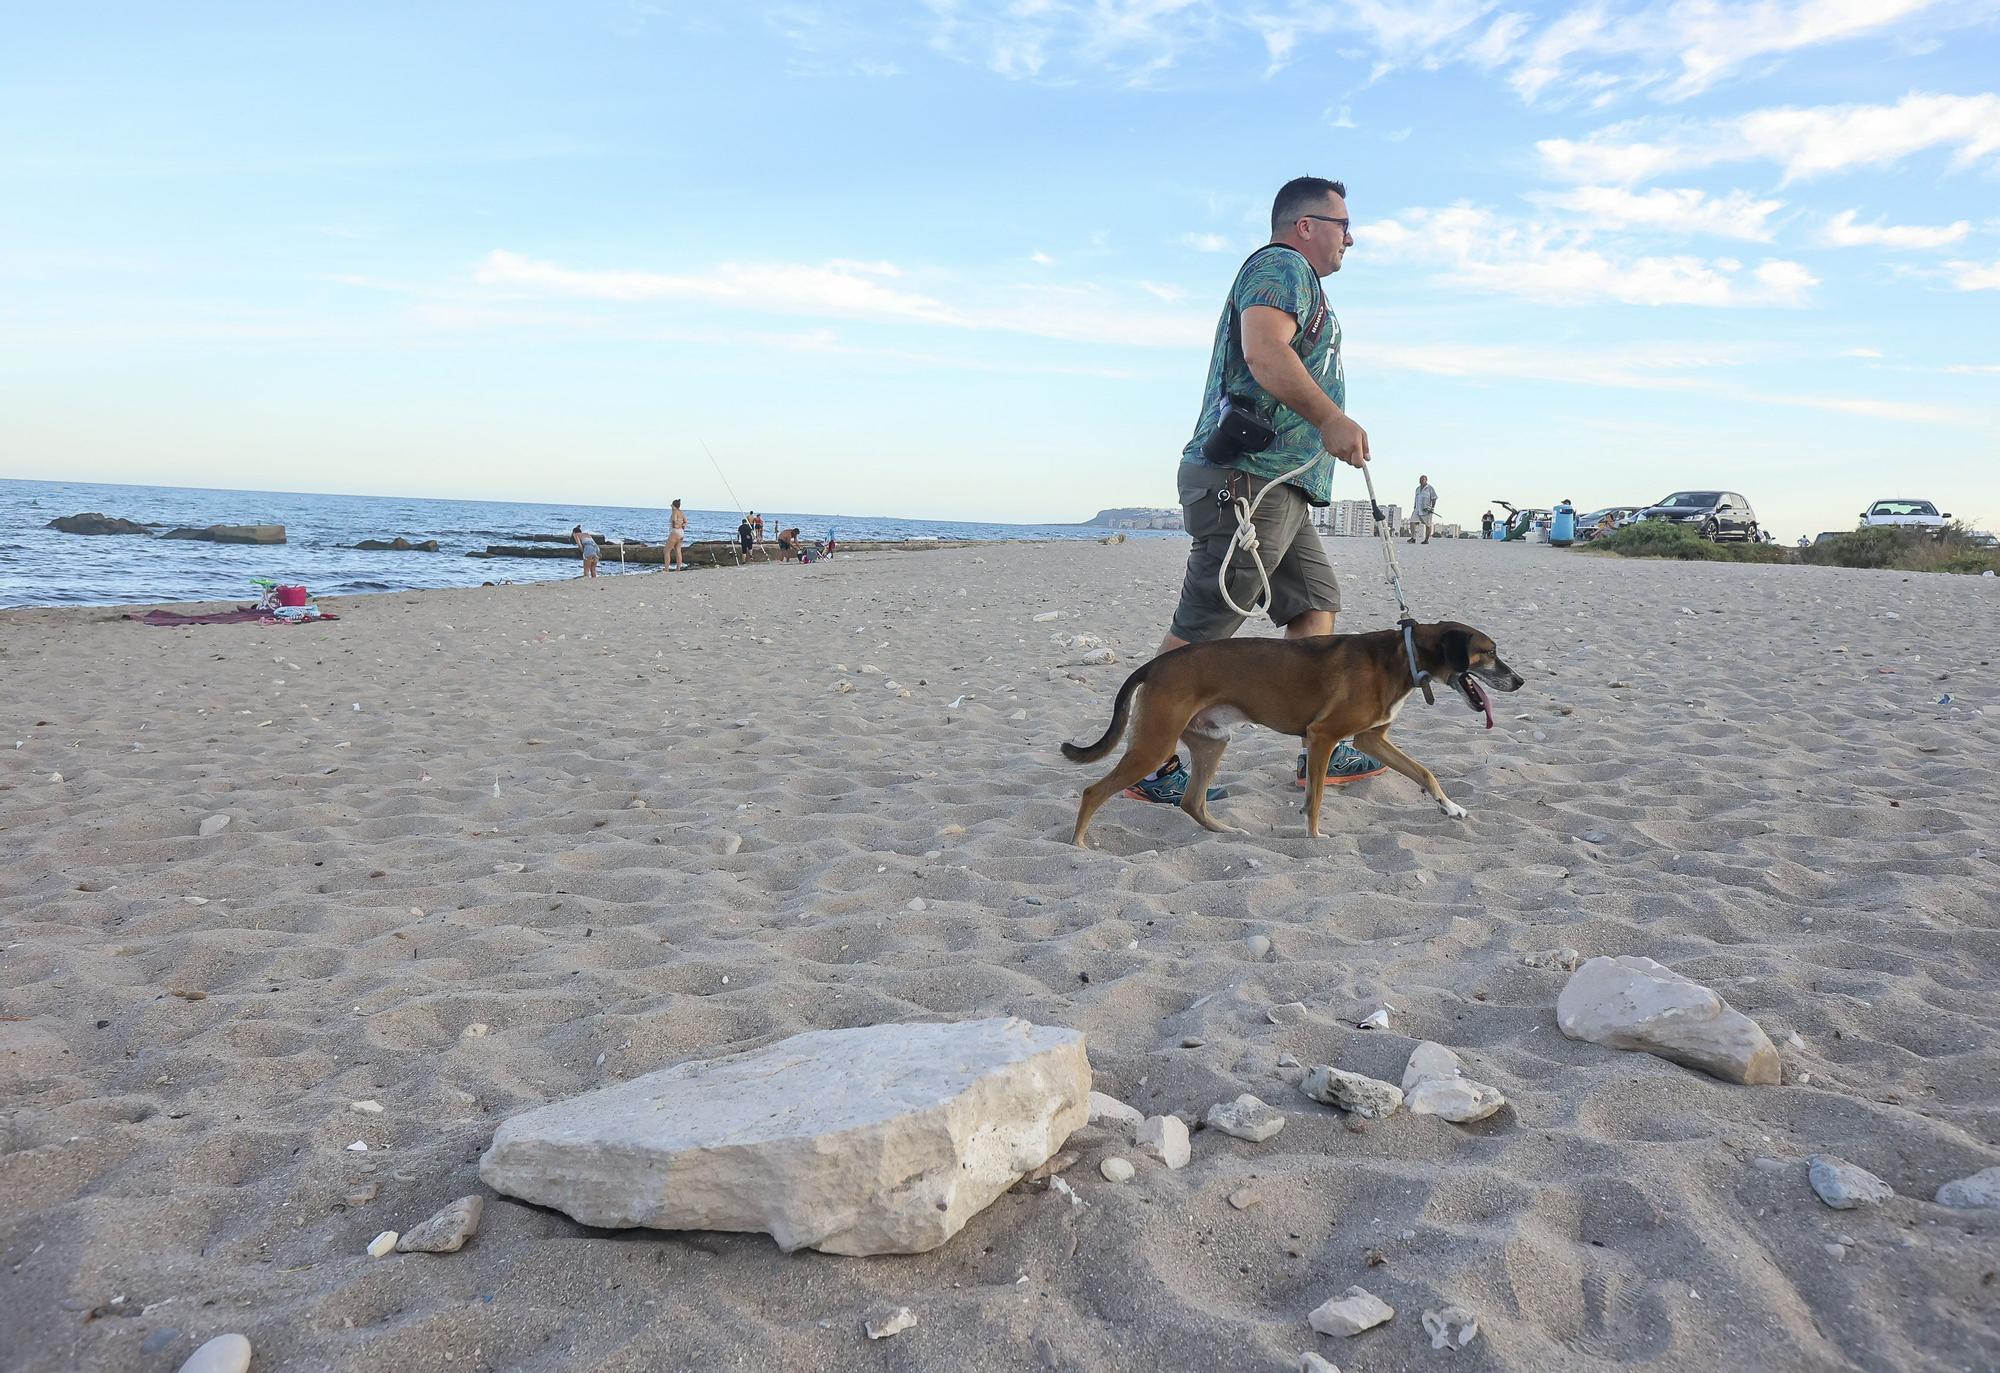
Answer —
677 524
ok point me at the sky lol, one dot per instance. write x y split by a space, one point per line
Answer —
963 259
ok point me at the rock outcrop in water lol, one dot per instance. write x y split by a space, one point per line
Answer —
399 544
95 522
231 533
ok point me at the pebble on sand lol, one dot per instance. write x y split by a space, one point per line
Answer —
1353 1311
1310 1362
1257 945
1109 1110
382 1244
1247 1117
446 1231
1843 1185
890 1323
1452 1328
1117 1169
1981 1189
1367 1097
1166 1139
223 1354
214 824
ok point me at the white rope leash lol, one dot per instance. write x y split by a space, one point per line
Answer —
1245 538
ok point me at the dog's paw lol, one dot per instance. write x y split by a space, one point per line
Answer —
1451 808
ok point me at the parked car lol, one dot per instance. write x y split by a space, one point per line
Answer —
1590 526
1982 539
1714 514
1904 515
1827 536
1520 521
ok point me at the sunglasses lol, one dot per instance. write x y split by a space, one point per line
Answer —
1346 225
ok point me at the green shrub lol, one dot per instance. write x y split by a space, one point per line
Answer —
1906 550
1665 539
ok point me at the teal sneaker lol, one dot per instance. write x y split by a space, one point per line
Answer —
1348 764
1168 788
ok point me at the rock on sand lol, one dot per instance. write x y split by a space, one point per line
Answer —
885 1139
1434 1085
1367 1097
1631 1002
1843 1185
223 1354
1353 1311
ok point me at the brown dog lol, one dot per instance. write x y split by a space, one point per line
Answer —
1322 689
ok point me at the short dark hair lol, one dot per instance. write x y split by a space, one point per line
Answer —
1299 195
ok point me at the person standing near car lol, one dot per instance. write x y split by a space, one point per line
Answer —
1423 509
1275 397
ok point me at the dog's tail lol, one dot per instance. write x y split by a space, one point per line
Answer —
1121 711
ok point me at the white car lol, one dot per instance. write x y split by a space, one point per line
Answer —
1904 515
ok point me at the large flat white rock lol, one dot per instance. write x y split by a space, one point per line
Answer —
880 1140
1631 1002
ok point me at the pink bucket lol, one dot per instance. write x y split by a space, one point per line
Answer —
291 595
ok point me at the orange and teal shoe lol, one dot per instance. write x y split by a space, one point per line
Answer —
1348 764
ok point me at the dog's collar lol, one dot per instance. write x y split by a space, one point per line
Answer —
1418 677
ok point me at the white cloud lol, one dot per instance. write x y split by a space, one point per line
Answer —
1975 276
1805 142
830 290
1474 247
1080 313
1974 369
1735 215
1204 243
1173 295
1842 232
1041 259
1681 48
1861 352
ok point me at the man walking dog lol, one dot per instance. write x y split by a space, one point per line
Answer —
1276 395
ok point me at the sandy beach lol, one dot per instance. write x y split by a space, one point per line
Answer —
626 823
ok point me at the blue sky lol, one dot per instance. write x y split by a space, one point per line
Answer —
963 259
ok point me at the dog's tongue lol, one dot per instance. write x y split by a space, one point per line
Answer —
1485 701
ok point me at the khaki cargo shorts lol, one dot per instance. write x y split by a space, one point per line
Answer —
1301 578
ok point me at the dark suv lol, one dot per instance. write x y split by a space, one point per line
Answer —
1714 514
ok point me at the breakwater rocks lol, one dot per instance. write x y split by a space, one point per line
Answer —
95 522
399 544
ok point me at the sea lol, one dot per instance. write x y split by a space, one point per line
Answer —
41 567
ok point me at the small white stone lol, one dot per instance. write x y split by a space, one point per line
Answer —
1452 1328
1109 1110
1046 616
917 903
1166 1139
636 805
1378 1019
894 1323
382 1244
1434 1085
214 824
1117 1169
1245 1118
367 1108
1354 1311
195 900
223 1354
1257 945
1291 1013
1310 1362
360 1146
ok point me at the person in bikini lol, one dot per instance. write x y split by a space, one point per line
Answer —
674 557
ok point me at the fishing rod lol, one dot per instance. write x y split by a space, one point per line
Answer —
740 507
